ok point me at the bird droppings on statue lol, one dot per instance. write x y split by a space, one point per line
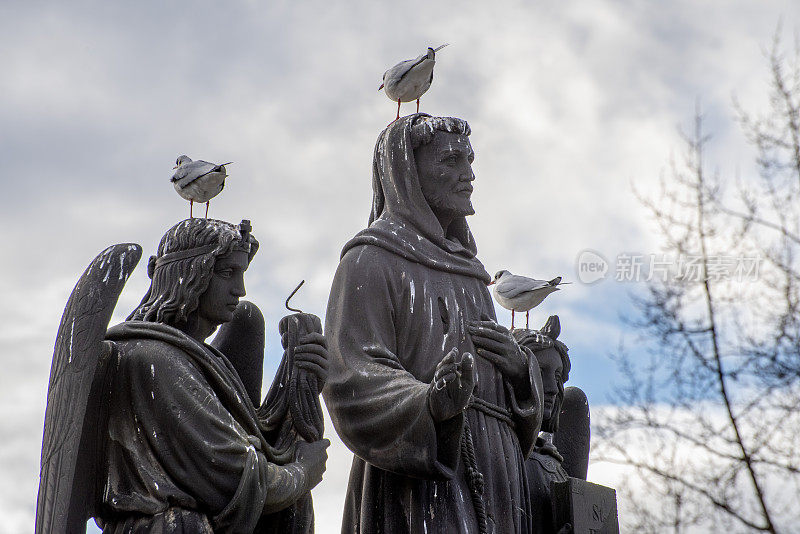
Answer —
520 293
410 79
198 181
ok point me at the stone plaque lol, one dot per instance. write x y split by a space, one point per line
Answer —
589 508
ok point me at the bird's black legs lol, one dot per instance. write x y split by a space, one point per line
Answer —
418 105
526 320
398 109
191 203
512 319
207 203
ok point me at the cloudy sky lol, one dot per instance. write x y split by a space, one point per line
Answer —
570 103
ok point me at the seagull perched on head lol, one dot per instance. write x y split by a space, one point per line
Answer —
520 293
408 80
198 181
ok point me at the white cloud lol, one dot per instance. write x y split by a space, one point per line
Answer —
568 104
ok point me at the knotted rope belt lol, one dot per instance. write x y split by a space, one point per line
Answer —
474 476
492 410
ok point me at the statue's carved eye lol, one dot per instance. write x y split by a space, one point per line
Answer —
225 273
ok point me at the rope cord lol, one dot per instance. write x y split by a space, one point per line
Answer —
474 477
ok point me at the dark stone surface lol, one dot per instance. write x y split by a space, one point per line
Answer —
562 451
155 428
242 341
572 439
436 400
589 508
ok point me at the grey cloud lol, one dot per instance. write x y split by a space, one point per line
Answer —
568 106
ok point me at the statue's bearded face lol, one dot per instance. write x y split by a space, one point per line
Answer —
445 173
552 369
226 287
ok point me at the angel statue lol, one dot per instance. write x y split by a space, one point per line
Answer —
562 450
148 428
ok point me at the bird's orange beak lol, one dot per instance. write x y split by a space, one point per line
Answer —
381 87
491 283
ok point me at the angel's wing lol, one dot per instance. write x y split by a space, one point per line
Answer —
241 340
67 478
572 437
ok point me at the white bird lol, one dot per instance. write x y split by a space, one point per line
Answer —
520 293
198 181
408 80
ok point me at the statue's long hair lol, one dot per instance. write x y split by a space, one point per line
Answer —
176 287
546 339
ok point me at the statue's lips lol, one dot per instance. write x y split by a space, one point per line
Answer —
467 189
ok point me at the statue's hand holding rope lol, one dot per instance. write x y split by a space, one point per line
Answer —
495 343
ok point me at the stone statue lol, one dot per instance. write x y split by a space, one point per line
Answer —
544 464
438 402
561 499
150 429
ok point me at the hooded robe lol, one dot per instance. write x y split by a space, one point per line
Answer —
401 299
185 452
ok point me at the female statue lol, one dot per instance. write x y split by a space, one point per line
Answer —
167 436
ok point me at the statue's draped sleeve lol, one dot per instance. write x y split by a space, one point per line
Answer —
379 408
172 442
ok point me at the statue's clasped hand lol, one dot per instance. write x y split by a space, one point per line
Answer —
453 382
312 355
495 343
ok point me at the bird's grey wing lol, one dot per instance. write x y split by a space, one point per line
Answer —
194 170
396 73
514 286
68 480
573 435
179 174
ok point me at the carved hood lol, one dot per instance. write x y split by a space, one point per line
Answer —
401 220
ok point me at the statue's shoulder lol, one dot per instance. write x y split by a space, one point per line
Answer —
365 252
368 258
142 355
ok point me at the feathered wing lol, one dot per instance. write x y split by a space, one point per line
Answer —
572 439
242 341
67 478
396 73
190 172
513 286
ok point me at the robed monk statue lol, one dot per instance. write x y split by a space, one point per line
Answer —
438 402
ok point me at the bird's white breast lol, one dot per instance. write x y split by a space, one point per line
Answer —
524 301
204 188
